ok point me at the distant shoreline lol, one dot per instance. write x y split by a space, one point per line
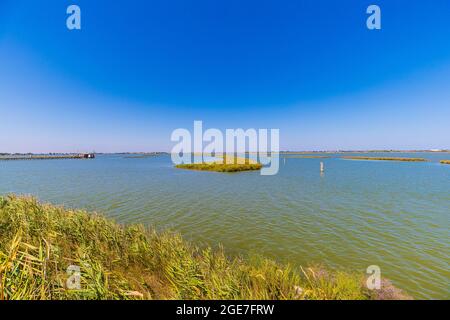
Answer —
143 153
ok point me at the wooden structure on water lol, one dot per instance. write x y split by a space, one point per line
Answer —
88 155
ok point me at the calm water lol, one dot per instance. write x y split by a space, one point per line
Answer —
359 213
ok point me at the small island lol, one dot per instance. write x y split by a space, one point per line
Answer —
143 155
386 159
445 161
238 164
307 157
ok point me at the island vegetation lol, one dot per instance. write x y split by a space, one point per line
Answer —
385 158
306 157
237 164
39 241
445 161
143 155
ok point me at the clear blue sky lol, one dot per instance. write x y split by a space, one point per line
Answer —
139 69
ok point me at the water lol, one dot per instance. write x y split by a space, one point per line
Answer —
359 213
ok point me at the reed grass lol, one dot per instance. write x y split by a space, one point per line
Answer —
385 158
39 241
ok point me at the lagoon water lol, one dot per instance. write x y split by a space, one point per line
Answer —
358 213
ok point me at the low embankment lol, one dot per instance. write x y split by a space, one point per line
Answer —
38 242
385 158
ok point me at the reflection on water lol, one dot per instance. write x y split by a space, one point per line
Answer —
355 214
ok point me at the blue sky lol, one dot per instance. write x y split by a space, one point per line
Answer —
139 69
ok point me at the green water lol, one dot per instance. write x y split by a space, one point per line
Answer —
358 213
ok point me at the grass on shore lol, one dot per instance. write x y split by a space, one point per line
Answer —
384 158
445 161
39 241
236 164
